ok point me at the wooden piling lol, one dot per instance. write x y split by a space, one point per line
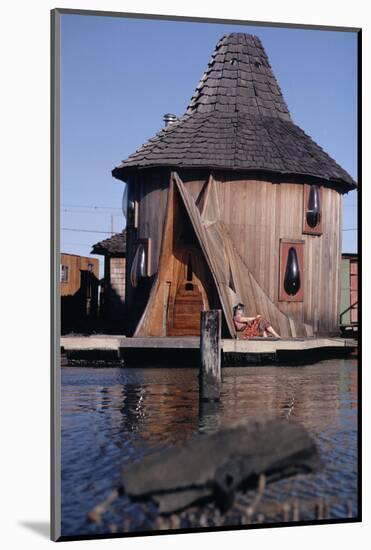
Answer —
210 348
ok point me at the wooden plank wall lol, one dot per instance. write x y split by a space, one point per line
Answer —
76 264
258 213
152 192
172 273
225 261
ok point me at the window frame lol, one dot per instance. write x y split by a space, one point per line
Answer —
64 273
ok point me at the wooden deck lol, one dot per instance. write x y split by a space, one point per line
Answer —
254 346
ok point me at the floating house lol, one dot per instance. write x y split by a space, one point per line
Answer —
349 293
233 202
112 296
79 279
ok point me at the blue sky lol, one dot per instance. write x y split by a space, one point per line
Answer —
119 76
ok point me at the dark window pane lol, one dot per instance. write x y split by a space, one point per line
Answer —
138 268
292 273
314 207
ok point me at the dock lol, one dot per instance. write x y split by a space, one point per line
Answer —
184 350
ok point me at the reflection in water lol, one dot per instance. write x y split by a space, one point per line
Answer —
111 416
209 416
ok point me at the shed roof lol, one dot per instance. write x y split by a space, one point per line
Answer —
237 120
114 246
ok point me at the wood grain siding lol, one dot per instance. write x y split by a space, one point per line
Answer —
76 264
258 213
171 309
152 191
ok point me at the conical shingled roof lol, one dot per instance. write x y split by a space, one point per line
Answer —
237 120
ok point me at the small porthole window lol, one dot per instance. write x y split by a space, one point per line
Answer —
257 64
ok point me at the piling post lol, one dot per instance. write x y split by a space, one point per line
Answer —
210 348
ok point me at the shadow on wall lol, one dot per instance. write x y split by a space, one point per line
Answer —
134 312
82 306
86 313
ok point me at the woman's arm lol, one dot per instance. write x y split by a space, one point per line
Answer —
242 319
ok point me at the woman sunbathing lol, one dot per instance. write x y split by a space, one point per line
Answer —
252 326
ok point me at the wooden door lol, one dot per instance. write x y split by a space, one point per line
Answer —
187 308
190 299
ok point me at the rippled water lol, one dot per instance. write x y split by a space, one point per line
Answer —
110 416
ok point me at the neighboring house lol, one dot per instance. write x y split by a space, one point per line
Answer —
112 298
79 289
349 292
233 202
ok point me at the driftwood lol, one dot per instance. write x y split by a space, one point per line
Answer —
214 467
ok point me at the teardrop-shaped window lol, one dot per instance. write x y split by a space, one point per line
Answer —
128 207
124 206
291 281
314 207
138 267
125 199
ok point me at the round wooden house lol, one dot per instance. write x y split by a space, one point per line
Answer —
233 202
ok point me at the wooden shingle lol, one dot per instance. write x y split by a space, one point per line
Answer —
237 119
114 246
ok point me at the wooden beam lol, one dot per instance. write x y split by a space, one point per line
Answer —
210 347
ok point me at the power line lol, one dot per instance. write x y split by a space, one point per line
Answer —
350 229
77 244
90 206
86 230
84 212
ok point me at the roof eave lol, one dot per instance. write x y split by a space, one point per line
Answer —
123 172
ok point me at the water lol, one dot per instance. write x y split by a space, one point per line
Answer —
111 416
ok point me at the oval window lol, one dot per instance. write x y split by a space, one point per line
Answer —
291 281
314 207
138 267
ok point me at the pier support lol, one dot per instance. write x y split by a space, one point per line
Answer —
210 348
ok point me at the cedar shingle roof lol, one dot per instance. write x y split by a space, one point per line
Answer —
115 245
237 120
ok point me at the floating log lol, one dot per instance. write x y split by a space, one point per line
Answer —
213 467
210 347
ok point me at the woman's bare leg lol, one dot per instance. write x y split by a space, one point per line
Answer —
265 334
273 332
